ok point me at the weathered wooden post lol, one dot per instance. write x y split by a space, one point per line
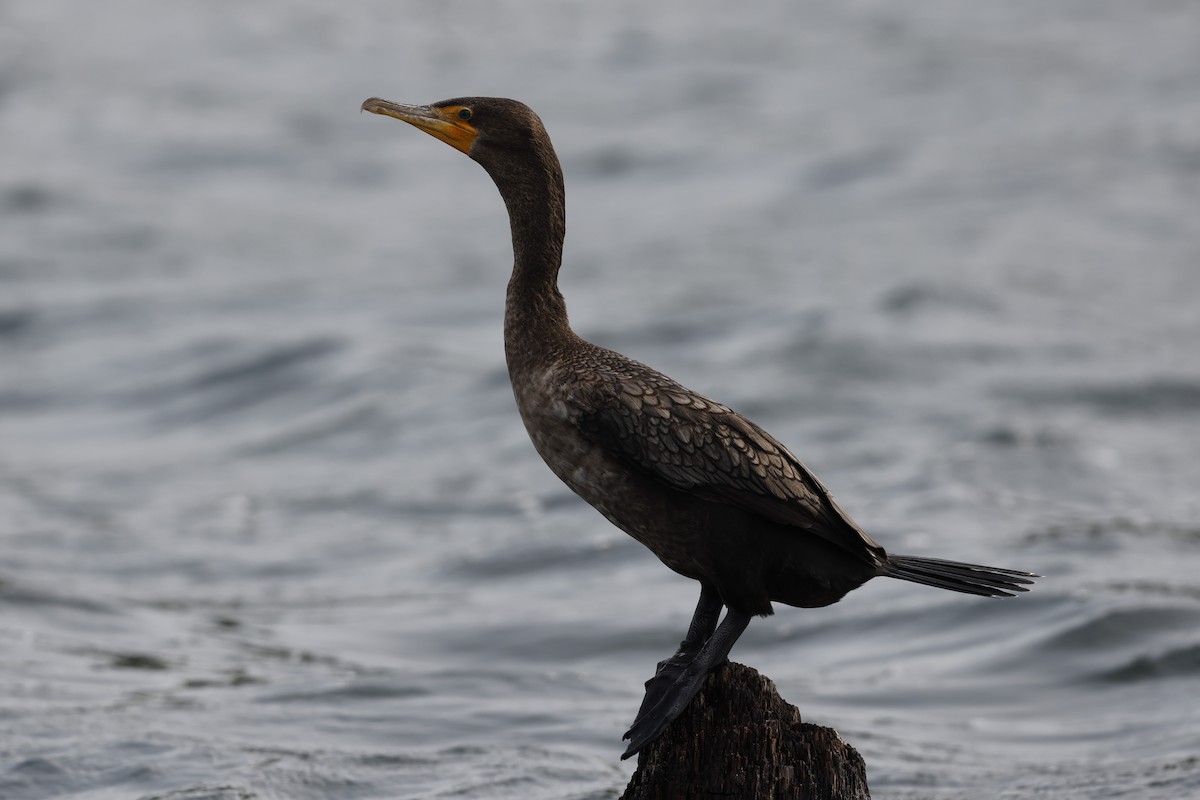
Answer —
739 739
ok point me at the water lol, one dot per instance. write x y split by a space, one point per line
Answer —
271 527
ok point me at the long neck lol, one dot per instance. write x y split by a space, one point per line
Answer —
535 318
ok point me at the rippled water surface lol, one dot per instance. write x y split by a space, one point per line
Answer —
270 526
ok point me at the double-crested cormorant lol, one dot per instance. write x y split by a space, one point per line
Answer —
713 495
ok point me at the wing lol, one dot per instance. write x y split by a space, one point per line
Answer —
699 446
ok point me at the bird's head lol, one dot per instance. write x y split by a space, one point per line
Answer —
507 139
477 126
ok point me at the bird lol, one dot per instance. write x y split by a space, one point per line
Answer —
714 496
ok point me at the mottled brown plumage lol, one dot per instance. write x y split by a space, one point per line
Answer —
714 496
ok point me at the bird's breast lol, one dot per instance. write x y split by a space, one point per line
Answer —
550 415
629 499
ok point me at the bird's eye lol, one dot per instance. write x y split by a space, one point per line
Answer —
464 114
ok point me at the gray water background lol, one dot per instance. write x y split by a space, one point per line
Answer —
270 526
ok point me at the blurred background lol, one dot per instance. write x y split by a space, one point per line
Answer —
270 526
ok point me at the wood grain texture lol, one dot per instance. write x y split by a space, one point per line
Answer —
740 739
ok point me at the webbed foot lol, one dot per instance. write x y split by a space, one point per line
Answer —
678 680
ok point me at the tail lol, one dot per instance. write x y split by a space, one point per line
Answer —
958 577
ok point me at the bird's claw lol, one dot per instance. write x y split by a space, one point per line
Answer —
663 704
659 686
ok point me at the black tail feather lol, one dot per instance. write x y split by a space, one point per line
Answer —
959 577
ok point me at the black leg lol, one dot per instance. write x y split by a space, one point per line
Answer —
704 622
672 700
